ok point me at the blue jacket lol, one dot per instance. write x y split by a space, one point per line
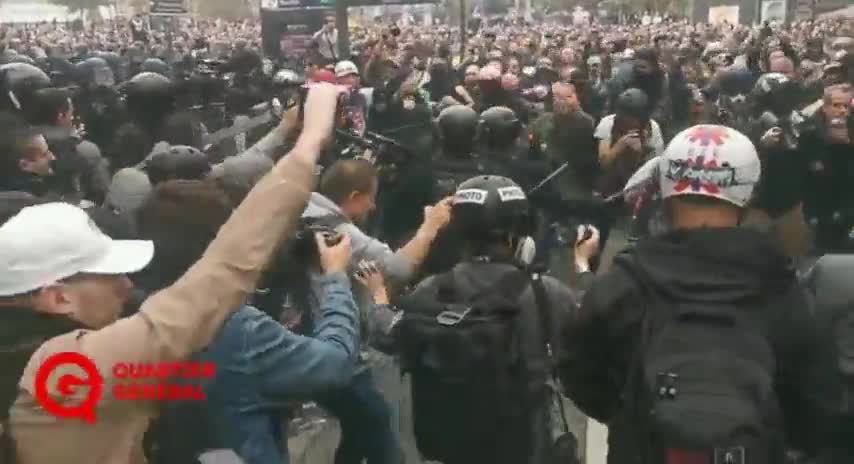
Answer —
261 366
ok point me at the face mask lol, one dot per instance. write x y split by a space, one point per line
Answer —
408 103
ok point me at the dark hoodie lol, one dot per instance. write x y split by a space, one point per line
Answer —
727 266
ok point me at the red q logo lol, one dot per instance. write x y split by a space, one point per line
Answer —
67 384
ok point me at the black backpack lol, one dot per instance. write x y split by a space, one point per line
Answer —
702 389
831 380
470 390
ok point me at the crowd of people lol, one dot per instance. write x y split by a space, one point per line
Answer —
174 196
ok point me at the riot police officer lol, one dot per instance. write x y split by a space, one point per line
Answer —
729 91
500 142
157 66
457 161
98 103
149 100
776 134
117 64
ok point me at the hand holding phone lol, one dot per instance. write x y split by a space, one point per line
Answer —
586 246
633 140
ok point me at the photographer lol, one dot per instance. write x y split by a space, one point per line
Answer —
181 217
776 133
626 140
806 186
347 195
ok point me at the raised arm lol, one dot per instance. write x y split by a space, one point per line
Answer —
184 317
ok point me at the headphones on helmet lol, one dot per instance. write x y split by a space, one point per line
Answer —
526 251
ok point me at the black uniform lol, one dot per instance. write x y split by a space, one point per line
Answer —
455 163
19 83
149 102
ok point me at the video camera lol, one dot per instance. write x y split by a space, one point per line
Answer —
381 151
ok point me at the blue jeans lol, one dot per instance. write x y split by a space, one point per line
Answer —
366 427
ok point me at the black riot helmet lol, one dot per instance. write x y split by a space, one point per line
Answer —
115 61
148 85
734 81
155 65
18 84
488 208
95 72
774 92
149 95
457 128
243 62
633 103
177 162
499 126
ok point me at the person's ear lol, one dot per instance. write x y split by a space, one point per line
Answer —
354 195
52 299
24 165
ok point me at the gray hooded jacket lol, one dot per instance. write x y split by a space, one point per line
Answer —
397 268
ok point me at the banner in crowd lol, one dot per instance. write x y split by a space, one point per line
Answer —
324 4
804 10
773 10
719 14
167 8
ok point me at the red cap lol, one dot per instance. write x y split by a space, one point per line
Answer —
324 75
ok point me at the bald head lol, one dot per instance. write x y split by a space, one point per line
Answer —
782 65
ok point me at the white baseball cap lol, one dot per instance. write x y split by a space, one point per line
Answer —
346 68
46 243
710 160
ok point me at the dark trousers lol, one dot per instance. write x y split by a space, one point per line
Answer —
366 427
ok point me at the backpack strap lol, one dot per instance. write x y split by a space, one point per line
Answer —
506 291
632 404
544 315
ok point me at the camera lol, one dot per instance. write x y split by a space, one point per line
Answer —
302 246
341 118
386 154
769 120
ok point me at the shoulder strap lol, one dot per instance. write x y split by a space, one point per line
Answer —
544 313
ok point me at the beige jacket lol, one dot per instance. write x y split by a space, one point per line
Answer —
171 325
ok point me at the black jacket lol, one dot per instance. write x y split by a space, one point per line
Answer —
707 265
471 278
